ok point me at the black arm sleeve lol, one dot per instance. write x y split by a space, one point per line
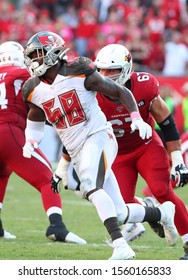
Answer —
169 129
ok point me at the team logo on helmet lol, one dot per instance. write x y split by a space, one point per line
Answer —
128 57
47 40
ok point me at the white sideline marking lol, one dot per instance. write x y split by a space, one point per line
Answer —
56 243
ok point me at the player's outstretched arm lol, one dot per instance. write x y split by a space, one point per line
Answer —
107 86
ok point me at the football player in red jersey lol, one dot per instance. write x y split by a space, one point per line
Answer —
64 93
36 171
146 157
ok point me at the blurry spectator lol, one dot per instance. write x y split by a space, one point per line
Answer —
176 56
129 8
113 28
6 17
48 5
102 8
44 22
64 30
155 23
184 11
172 11
87 27
70 17
91 24
95 44
155 59
140 49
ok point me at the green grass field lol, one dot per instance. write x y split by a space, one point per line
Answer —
23 216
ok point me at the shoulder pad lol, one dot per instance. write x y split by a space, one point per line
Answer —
29 86
79 66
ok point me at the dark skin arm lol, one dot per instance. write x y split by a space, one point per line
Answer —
97 82
36 113
160 112
94 82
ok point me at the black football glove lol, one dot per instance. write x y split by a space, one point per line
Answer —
55 183
180 175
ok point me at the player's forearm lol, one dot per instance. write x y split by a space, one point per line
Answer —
34 130
173 146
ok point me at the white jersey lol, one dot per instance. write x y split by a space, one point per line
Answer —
79 121
71 109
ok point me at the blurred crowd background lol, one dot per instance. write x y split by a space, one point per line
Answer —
154 31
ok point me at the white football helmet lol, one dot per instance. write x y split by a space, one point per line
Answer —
11 53
49 46
115 56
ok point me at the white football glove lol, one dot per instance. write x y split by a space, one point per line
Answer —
29 148
179 172
145 131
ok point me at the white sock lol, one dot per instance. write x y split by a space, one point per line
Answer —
136 213
103 204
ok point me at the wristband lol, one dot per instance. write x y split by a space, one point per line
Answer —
135 115
176 157
62 167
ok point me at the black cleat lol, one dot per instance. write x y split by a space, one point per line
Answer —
60 233
185 247
5 234
1 229
157 228
57 232
1 232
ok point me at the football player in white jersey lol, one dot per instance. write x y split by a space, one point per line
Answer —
13 116
64 94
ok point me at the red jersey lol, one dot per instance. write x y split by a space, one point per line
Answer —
145 88
145 157
12 108
13 115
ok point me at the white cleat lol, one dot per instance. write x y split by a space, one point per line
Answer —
8 235
122 251
167 219
132 231
73 238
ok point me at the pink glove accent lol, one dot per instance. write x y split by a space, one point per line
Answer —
135 115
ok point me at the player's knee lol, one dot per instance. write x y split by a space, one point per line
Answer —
159 190
86 187
122 217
